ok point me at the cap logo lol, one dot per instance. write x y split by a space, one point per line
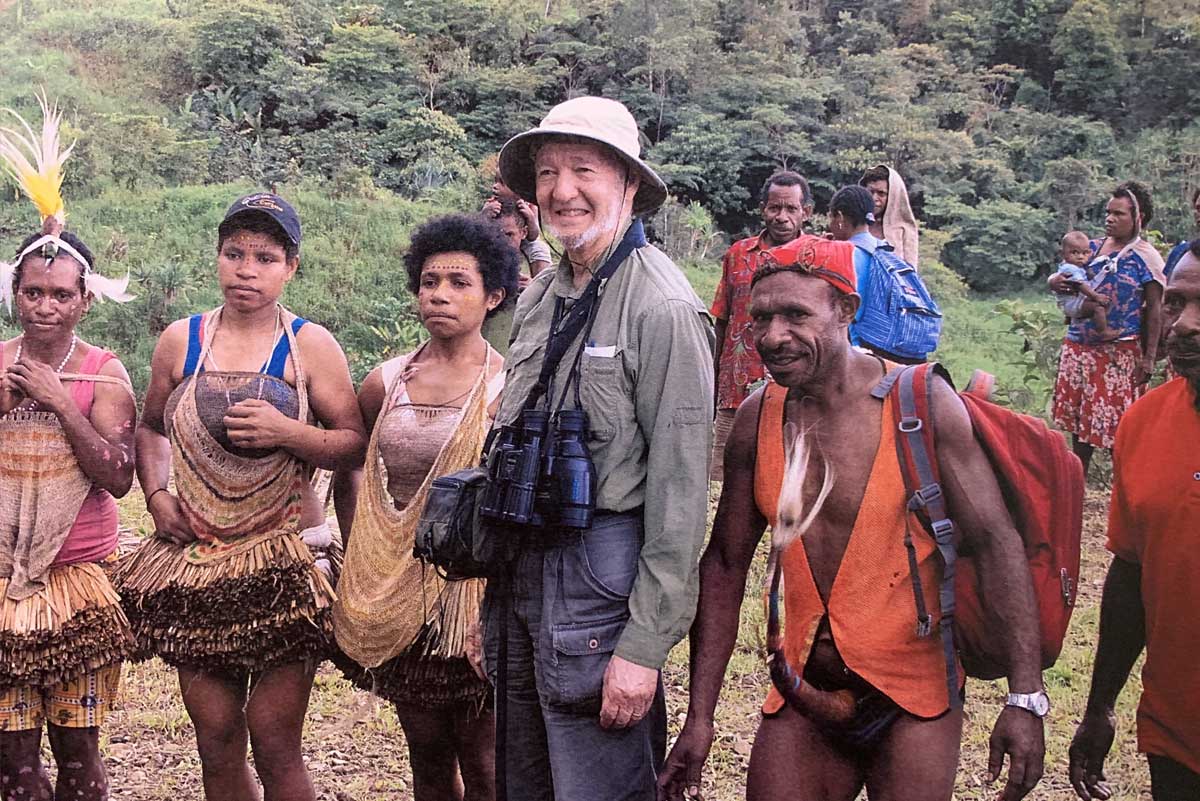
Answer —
805 256
261 202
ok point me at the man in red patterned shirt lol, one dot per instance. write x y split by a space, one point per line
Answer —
787 202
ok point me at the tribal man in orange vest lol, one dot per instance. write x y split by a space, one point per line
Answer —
872 708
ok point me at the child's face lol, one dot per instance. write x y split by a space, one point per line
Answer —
1077 253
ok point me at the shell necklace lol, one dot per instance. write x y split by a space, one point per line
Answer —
62 364
32 404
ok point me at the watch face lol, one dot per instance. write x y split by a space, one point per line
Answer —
1041 704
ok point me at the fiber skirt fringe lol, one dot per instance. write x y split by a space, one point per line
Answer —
72 626
418 679
261 608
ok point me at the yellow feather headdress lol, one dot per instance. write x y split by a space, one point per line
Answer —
36 164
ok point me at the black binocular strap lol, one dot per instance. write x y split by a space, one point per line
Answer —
568 325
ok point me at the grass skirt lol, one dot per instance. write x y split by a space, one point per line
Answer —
419 679
256 609
70 627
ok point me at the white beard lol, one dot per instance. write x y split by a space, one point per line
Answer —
576 242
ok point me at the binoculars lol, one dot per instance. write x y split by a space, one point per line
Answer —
541 474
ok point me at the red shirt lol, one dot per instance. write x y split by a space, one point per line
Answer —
740 368
1154 521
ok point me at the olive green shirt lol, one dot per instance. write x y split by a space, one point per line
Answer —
646 382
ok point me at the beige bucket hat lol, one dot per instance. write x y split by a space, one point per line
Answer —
604 121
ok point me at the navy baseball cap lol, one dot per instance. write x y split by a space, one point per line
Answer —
274 207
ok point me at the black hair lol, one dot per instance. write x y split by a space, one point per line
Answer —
1141 200
880 173
65 236
787 178
508 208
499 262
257 222
854 202
1194 247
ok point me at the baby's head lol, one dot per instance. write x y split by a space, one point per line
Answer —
1076 249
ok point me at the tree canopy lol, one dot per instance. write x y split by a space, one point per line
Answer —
1009 119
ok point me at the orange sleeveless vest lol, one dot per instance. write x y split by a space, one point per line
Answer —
871 610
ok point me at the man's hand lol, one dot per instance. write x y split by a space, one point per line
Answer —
628 692
1019 734
680 777
254 423
1089 747
169 522
39 382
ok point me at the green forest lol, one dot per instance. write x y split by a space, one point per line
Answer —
1009 119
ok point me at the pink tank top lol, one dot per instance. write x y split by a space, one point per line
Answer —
94 535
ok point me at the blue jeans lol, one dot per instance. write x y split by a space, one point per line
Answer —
568 602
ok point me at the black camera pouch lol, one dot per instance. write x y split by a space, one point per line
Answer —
450 535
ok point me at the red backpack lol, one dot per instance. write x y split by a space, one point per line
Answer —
1042 482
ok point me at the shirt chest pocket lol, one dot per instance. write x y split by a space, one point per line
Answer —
605 391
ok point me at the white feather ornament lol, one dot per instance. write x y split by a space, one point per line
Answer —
793 514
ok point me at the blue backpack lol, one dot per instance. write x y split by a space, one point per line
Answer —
898 315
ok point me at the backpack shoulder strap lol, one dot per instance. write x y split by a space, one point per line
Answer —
982 385
911 395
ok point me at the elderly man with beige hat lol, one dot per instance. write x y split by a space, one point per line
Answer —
604 582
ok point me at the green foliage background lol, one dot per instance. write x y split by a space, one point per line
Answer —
1010 119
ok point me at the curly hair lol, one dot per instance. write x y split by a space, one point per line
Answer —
787 178
499 262
1140 195
65 236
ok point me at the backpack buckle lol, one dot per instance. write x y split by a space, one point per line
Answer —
924 625
926 495
943 530
911 425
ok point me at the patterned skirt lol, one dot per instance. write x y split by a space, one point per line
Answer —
1095 386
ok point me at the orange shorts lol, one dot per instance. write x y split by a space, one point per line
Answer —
78 703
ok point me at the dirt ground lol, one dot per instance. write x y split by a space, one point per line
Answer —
355 748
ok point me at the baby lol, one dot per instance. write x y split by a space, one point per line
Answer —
1084 303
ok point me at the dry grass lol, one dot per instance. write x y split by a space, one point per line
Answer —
355 748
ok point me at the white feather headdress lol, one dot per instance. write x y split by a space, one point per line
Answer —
36 164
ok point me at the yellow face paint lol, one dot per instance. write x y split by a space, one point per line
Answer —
454 260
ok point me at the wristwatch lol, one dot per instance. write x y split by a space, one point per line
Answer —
1038 703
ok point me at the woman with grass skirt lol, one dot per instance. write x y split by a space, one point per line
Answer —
403 631
67 417
231 590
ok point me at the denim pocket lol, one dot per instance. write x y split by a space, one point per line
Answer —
608 558
596 571
581 654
